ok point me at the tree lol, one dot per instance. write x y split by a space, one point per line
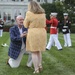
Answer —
49 8
54 7
59 7
69 6
70 2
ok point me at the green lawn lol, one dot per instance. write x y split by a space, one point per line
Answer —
54 62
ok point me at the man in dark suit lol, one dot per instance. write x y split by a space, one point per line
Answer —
17 45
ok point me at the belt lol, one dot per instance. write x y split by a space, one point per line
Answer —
53 27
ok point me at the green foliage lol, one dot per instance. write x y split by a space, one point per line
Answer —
59 7
6 28
49 8
73 28
53 7
71 2
69 6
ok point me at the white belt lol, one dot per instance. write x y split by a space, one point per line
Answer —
53 27
65 26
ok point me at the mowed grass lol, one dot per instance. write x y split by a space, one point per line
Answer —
54 62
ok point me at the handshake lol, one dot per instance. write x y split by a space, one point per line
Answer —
23 34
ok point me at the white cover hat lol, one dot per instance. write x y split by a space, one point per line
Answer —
65 14
53 14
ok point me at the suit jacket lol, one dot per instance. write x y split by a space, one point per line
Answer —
16 41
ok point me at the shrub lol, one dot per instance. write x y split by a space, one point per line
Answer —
73 28
6 28
48 9
53 7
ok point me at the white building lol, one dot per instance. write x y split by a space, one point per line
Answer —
9 9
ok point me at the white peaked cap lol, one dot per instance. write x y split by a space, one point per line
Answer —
65 14
53 14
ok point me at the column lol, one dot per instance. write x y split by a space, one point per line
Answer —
2 15
50 1
12 14
42 1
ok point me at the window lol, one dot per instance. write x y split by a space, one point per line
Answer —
29 0
54 0
0 14
9 17
38 0
22 0
45 1
15 15
4 16
17 12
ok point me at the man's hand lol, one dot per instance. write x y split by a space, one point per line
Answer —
23 34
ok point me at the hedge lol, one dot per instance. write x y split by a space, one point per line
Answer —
73 28
53 8
6 28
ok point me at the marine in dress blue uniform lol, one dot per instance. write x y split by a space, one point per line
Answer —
66 25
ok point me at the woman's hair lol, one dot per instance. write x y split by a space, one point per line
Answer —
35 7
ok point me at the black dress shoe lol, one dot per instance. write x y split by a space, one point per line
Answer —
47 49
7 62
60 49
